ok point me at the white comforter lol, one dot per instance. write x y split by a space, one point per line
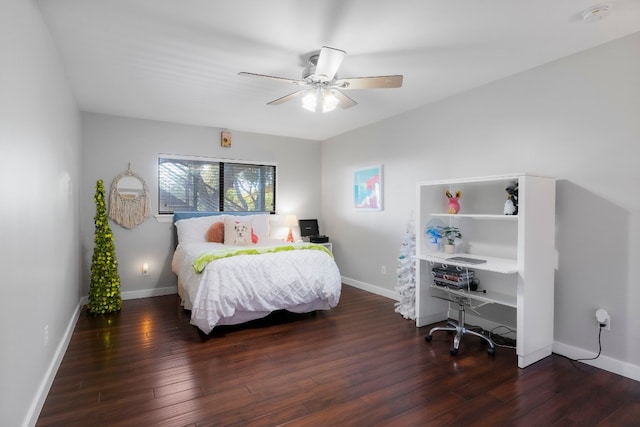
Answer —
244 287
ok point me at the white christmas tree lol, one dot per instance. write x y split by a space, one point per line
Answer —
406 286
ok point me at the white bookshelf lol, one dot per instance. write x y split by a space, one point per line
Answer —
518 251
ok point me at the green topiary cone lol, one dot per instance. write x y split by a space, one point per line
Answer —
104 289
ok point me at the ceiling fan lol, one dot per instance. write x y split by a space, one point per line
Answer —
323 88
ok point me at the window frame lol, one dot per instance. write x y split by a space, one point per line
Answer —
221 162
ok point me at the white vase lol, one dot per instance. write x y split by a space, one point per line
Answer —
450 249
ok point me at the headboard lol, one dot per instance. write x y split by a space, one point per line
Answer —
177 216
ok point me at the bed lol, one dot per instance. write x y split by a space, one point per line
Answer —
230 271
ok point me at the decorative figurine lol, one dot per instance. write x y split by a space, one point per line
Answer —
511 205
454 205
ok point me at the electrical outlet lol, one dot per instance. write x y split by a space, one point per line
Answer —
607 323
383 270
603 318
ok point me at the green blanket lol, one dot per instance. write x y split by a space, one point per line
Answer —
205 258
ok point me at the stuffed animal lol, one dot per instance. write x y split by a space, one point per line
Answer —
454 205
511 205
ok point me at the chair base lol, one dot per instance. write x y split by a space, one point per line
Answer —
460 329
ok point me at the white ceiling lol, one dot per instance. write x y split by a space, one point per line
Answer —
177 60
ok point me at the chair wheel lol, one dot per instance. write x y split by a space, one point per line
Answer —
453 351
491 351
428 338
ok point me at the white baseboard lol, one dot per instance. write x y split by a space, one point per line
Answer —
603 362
371 288
144 293
431 319
41 395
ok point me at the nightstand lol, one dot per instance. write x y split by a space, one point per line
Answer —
327 245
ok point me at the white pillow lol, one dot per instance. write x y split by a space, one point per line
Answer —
260 224
195 229
237 231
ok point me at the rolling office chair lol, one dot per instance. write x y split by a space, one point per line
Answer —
459 328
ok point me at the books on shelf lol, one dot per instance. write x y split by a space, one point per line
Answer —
453 277
455 285
452 273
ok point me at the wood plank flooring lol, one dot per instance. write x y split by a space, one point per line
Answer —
360 364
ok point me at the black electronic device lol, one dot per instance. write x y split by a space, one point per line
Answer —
308 227
310 231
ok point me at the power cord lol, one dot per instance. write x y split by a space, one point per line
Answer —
600 327
502 337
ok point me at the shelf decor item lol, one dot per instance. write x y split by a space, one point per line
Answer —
451 234
511 205
104 288
434 235
454 204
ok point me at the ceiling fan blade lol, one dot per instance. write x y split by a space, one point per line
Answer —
370 82
345 101
281 79
289 97
329 61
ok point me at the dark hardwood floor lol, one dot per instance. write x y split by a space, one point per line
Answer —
360 364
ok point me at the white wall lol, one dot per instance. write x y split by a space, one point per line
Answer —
111 143
576 119
40 172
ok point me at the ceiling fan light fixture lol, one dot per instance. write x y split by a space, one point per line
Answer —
309 101
319 97
324 88
329 102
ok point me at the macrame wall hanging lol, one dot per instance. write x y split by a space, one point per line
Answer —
129 199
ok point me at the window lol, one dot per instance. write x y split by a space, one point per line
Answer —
211 185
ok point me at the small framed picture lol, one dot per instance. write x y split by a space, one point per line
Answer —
367 188
225 139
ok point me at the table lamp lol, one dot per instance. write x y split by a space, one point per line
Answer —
290 221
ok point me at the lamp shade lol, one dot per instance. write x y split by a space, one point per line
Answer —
290 221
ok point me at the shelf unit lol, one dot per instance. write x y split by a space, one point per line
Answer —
518 250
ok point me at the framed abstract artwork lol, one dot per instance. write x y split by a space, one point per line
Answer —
367 188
